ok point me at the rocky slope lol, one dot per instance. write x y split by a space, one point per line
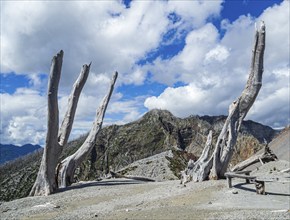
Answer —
159 131
156 167
281 145
118 146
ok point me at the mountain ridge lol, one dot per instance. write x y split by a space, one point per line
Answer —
159 130
9 152
117 146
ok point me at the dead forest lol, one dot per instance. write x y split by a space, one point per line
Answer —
55 173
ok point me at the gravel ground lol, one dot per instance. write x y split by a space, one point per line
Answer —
131 199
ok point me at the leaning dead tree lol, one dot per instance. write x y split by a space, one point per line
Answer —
56 137
215 166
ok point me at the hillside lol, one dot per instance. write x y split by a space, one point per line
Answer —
281 145
10 152
159 131
118 146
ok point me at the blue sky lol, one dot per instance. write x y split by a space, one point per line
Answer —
189 57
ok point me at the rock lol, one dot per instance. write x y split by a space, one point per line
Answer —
235 191
46 205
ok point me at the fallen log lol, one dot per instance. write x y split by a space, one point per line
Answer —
140 178
265 157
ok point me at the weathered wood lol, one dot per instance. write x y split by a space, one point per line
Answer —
287 170
258 181
241 176
246 172
231 175
229 181
216 166
238 109
73 99
67 167
140 178
265 179
197 171
259 184
260 187
45 182
56 138
265 157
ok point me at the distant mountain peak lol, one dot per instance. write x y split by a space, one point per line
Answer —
9 152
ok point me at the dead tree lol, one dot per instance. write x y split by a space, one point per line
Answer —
67 167
56 137
216 166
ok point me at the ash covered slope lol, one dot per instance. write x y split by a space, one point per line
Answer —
118 146
281 145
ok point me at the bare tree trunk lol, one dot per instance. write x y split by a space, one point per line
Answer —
67 167
56 138
199 169
238 110
216 166
45 181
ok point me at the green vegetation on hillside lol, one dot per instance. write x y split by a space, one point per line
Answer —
118 146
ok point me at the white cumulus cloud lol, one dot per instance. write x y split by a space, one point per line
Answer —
23 117
219 69
213 70
107 33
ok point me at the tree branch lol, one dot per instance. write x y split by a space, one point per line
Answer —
68 120
68 165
